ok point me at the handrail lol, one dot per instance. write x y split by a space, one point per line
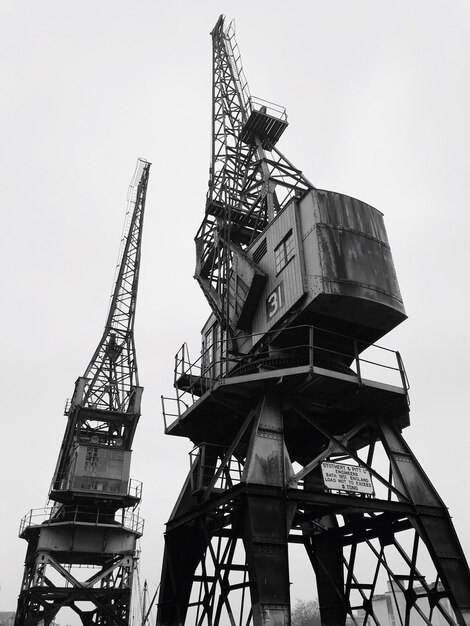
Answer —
193 379
198 369
79 514
275 110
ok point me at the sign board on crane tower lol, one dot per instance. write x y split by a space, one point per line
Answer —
342 477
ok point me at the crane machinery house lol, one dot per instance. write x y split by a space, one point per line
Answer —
323 260
294 412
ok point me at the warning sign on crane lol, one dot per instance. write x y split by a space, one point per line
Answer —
344 477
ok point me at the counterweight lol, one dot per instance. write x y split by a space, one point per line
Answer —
82 550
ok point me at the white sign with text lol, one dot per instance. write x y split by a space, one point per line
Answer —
347 478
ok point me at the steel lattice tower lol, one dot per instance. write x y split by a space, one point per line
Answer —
82 550
295 414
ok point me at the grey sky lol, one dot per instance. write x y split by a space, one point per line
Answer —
378 99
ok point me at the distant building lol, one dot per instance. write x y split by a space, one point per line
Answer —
390 608
7 618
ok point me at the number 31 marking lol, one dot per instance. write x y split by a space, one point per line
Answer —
275 301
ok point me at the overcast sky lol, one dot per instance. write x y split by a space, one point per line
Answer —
378 99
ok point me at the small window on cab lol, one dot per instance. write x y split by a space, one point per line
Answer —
284 252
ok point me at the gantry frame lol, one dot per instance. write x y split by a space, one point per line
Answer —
234 521
267 419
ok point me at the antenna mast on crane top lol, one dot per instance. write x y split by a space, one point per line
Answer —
296 416
93 526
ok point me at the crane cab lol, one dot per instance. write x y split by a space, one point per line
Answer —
326 262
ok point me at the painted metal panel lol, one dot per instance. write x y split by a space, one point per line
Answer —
349 271
103 470
353 258
340 260
342 211
284 287
86 539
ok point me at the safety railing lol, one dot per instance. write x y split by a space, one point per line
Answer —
79 514
135 488
264 106
235 60
295 346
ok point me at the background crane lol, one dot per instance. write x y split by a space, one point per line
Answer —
81 550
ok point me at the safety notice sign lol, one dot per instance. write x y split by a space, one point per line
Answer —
347 478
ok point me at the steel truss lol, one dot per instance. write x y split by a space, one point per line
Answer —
107 591
250 179
90 527
226 558
112 372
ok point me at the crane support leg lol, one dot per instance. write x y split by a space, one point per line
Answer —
185 545
326 557
432 522
266 549
266 526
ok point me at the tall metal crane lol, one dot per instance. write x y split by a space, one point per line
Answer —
250 182
81 550
296 415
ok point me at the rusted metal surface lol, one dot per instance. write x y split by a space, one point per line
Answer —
295 386
90 523
288 283
354 250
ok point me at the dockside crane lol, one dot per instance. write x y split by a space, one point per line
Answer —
81 550
295 414
250 182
